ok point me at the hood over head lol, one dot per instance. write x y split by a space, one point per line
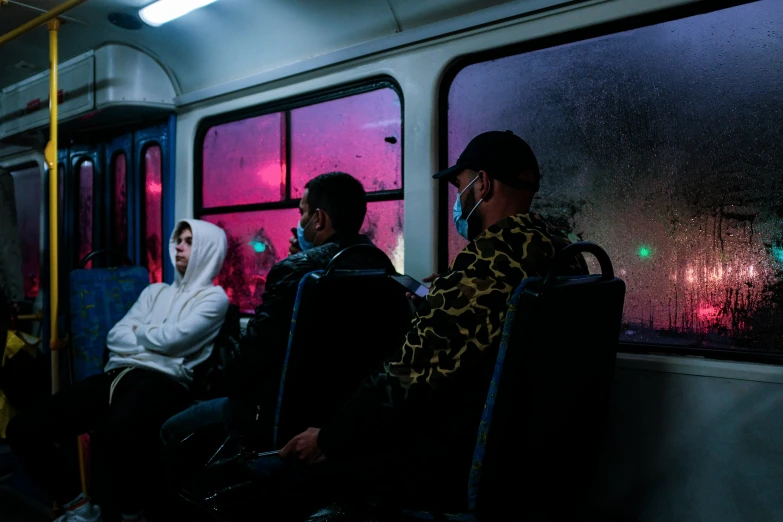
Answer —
206 255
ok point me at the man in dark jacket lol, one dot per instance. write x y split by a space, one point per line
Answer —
332 208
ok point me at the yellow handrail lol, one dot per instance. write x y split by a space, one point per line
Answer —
51 159
30 317
50 154
40 20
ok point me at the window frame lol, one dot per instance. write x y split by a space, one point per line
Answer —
42 218
143 148
537 44
111 158
75 157
286 106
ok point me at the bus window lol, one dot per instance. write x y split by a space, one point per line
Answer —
359 135
85 209
249 150
153 214
663 145
245 189
356 134
119 203
28 195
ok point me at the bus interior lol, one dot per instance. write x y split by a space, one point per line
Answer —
658 126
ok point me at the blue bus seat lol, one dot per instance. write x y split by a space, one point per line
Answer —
556 366
542 427
100 297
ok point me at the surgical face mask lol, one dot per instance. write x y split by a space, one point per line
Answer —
304 244
456 214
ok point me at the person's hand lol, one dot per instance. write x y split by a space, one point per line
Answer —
294 247
305 447
415 298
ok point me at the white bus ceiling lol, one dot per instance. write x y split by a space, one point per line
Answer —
226 40
690 439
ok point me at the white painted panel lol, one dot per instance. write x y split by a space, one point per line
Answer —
683 447
126 75
76 80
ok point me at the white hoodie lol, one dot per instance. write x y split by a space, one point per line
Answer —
176 325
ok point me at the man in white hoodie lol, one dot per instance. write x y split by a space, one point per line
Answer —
153 350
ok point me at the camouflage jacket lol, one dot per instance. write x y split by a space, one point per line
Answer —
427 399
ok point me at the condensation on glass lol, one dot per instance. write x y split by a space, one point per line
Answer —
244 162
153 213
84 210
28 195
383 225
119 203
256 241
357 134
664 145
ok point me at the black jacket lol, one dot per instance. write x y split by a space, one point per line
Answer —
253 378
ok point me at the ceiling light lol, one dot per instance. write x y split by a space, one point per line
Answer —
164 11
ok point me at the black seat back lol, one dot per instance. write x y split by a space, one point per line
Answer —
542 428
345 323
208 377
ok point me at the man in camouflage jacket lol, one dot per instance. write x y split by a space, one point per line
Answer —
408 433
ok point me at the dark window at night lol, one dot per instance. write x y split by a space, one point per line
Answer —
664 145
244 163
29 197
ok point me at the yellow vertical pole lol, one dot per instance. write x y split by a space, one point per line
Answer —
51 160
54 288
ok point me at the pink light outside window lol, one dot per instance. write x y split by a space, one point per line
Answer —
85 209
153 218
119 203
244 162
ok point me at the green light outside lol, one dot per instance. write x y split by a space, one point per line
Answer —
645 251
258 246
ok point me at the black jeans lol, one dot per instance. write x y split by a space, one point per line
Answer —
129 429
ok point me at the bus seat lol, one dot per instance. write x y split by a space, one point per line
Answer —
556 366
99 298
208 377
542 428
345 323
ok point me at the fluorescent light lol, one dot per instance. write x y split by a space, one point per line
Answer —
164 11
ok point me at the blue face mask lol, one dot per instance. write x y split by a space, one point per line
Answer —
303 243
456 214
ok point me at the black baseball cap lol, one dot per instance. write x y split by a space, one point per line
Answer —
502 154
